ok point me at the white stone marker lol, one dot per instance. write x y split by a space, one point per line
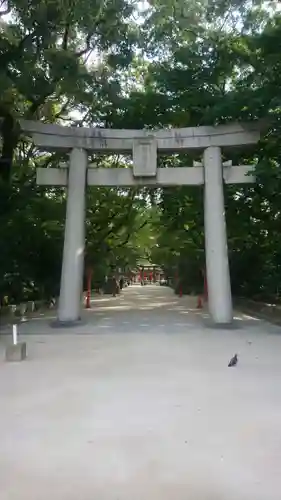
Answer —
218 278
15 334
74 240
17 350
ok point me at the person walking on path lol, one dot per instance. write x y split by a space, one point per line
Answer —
114 286
121 282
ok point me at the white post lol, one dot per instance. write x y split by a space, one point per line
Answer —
219 289
74 240
15 334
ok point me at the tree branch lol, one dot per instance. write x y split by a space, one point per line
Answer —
10 135
17 50
80 122
91 34
36 103
115 229
65 37
7 10
63 109
88 45
129 235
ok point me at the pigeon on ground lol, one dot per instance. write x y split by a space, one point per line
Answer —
233 361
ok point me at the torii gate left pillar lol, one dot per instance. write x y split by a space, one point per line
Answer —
74 240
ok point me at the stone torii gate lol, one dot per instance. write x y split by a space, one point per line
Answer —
144 145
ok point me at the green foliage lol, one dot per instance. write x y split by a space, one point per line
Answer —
31 241
229 70
178 64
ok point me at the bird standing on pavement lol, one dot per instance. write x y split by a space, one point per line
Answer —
233 361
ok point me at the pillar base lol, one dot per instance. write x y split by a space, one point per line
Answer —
16 352
57 323
233 325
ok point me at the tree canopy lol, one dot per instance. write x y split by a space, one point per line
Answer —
126 64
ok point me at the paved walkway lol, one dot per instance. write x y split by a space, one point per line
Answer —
138 404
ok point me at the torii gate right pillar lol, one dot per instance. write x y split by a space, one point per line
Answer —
218 277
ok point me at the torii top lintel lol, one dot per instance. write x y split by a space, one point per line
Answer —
57 137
